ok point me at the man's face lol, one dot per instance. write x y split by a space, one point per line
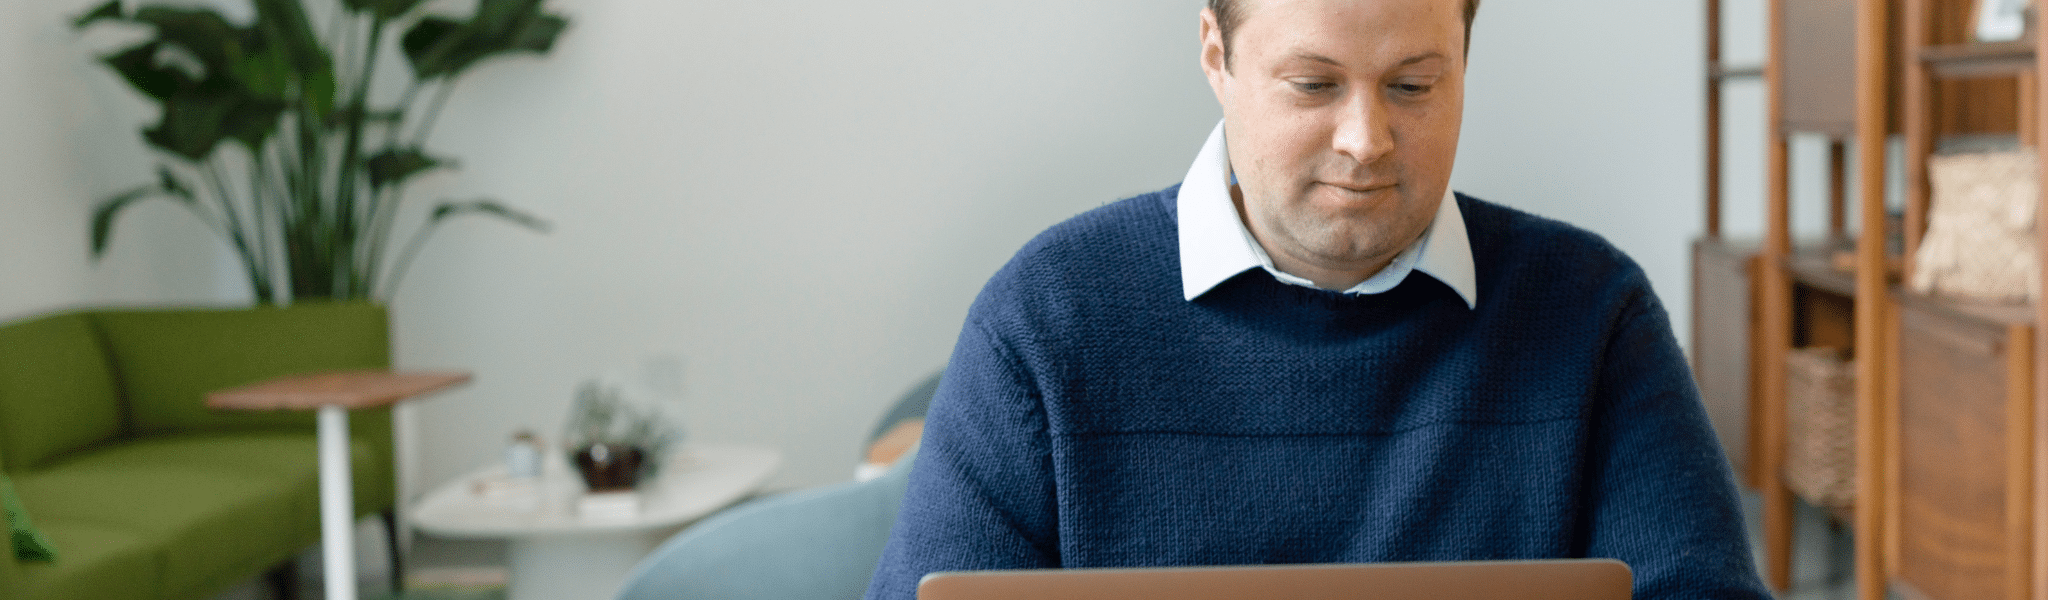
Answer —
1342 120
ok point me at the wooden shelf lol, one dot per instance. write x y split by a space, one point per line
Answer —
1989 313
1972 61
1731 247
1726 71
1815 268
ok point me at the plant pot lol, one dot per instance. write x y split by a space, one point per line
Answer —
610 467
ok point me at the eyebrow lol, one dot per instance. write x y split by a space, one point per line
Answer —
1333 62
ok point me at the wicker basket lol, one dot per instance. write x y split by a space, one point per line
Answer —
1820 436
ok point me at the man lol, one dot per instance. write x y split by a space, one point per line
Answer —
1311 351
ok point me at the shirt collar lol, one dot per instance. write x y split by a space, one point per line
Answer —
1215 245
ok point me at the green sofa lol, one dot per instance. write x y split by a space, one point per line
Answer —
144 492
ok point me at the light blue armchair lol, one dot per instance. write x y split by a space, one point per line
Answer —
817 544
814 544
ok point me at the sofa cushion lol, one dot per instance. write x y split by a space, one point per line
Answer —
25 542
101 561
56 391
292 456
168 360
205 522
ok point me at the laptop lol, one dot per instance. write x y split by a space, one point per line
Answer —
1563 579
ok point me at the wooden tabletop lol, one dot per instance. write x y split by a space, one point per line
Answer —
348 389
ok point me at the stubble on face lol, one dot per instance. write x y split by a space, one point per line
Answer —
1342 119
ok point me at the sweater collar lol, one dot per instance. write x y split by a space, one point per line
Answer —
1215 245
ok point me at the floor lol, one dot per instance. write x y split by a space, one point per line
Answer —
438 569
1823 553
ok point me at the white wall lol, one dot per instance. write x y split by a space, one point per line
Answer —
1591 112
798 199
67 138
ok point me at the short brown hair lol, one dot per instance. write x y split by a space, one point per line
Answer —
1229 14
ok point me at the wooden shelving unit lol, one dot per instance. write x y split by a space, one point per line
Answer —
1952 438
1961 439
1724 300
1991 59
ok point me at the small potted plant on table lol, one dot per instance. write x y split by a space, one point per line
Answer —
613 443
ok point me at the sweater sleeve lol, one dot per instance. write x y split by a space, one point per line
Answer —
1661 495
981 493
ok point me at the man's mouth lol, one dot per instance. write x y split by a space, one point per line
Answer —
1359 188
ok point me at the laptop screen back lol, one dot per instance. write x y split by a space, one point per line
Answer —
1574 579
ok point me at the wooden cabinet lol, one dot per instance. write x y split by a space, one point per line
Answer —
1723 347
1964 471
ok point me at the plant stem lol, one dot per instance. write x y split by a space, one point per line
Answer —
212 221
287 180
403 262
237 237
346 228
382 223
365 250
271 203
403 108
304 230
419 138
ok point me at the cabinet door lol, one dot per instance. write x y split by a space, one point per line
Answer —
1722 309
1954 480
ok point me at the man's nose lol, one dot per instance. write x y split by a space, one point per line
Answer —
1363 131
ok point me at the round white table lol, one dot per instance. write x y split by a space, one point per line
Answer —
554 553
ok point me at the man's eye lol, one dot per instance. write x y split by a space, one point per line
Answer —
1410 89
1313 87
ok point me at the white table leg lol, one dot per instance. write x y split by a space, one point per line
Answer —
556 567
337 505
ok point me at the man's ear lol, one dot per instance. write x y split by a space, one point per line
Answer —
1215 63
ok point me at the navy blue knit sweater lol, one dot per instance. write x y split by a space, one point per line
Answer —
1092 417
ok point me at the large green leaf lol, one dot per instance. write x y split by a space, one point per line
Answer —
439 46
202 32
500 17
264 71
252 121
490 208
284 23
383 9
283 27
398 164
110 10
103 217
139 66
193 123
538 35
429 44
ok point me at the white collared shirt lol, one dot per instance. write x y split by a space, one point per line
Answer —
1215 245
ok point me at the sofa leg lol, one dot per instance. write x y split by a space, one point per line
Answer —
284 580
391 544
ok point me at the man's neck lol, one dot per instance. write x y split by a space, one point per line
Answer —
1334 277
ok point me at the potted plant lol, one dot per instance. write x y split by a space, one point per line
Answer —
613 443
271 136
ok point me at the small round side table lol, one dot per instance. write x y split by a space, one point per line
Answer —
555 553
